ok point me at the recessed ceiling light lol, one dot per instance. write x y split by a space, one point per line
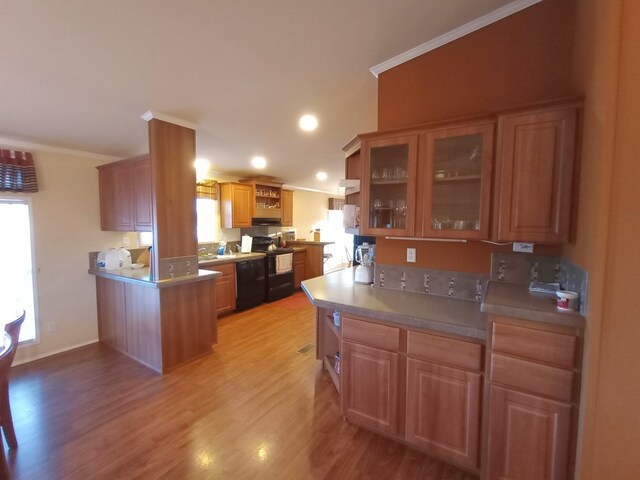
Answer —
259 162
308 123
322 176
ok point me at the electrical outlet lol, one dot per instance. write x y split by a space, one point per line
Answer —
124 242
523 247
411 255
51 326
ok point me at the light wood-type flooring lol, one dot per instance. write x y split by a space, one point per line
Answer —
254 409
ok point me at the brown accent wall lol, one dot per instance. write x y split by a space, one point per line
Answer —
607 66
523 59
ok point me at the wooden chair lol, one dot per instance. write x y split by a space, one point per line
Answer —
6 421
6 358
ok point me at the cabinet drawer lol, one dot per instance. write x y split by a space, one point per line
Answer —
548 347
226 269
532 377
445 350
372 334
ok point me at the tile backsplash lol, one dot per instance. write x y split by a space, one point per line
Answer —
525 268
462 285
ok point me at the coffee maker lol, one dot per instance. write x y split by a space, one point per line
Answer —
365 255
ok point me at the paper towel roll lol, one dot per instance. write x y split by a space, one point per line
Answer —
246 244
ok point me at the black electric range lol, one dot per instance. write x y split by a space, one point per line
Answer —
278 282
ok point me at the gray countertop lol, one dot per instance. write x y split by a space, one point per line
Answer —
238 258
337 291
515 300
142 277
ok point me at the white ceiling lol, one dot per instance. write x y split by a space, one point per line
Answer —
79 73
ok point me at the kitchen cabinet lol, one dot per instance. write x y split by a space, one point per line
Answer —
456 176
125 195
112 326
536 158
532 391
225 288
266 200
388 185
370 370
444 384
287 208
299 268
236 200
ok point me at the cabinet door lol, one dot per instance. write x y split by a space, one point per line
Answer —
141 182
299 268
457 182
388 186
107 186
443 411
529 437
123 201
536 156
369 388
225 295
287 208
242 199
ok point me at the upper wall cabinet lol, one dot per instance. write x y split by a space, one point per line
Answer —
388 185
456 181
236 201
287 208
536 155
125 195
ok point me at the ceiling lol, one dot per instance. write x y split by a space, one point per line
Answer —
78 74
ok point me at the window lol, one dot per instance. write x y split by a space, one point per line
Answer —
17 286
207 212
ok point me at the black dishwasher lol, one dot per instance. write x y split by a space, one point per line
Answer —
250 283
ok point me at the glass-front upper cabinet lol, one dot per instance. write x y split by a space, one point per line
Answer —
388 186
457 181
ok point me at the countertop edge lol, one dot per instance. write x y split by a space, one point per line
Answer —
202 275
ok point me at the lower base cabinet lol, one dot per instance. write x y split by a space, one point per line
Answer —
370 387
443 411
225 288
529 436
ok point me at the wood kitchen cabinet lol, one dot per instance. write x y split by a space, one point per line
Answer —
236 200
532 400
225 288
370 371
126 196
388 184
536 158
287 208
112 325
444 384
299 268
456 180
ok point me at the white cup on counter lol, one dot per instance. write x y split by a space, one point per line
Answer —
566 300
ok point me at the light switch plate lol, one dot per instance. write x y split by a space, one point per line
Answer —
411 255
523 247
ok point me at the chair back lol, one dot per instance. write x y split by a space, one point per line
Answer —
6 356
13 329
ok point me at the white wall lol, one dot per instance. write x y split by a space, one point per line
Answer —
309 212
66 218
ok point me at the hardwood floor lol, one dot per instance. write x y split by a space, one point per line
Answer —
254 409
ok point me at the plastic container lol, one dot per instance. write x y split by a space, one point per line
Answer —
566 300
336 318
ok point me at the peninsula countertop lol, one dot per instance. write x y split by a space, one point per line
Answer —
142 277
337 291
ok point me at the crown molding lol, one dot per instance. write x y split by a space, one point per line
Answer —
10 142
452 35
307 189
150 115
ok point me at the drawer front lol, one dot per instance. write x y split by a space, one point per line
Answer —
226 269
548 347
448 351
532 377
372 334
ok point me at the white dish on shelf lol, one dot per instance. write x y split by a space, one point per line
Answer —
136 266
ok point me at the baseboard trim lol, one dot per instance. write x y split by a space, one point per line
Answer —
54 352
